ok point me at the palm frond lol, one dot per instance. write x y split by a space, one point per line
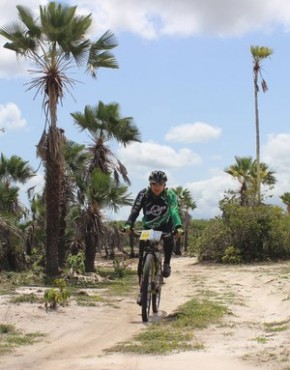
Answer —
99 55
26 17
7 224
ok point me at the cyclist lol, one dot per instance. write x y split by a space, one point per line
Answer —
160 212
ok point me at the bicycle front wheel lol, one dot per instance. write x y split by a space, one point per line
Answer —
156 295
147 287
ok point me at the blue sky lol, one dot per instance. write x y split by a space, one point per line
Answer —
185 77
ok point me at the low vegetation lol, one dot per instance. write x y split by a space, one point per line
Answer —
59 295
245 234
114 278
11 338
176 332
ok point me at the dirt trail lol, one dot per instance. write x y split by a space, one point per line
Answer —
77 336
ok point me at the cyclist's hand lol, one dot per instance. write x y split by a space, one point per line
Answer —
179 232
126 229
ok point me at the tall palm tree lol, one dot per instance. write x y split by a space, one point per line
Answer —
105 124
245 171
186 203
286 200
259 53
54 43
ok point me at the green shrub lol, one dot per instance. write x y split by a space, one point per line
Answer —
54 297
120 268
232 255
245 234
211 244
76 262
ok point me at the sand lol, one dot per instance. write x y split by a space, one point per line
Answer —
253 335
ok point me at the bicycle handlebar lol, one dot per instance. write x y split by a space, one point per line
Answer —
163 235
137 232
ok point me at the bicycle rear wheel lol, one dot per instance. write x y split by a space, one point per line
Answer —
156 295
147 287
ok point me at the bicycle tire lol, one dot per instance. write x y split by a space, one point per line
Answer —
156 296
147 287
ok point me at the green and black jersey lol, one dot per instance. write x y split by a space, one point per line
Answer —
159 212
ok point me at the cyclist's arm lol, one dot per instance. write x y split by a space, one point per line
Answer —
174 209
136 208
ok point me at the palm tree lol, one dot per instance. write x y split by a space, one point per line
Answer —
99 192
13 170
54 43
267 176
104 124
245 171
76 158
241 170
259 53
36 224
186 203
286 200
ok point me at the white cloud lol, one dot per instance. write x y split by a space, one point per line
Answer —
154 18
193 133
207 193
9 65
9 10
276 153
152 155
10 117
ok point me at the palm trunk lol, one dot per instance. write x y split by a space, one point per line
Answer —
62 246
256 89
53 189
90 254
243 192
54 177
91 226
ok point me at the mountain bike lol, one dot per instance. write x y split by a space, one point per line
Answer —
151 276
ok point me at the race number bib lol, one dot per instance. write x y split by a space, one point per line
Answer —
151 235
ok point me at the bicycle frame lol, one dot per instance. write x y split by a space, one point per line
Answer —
151 278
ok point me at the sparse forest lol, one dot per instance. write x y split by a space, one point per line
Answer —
65 224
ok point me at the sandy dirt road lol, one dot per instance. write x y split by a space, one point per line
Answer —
258 297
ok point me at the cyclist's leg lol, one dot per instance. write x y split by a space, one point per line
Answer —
168 245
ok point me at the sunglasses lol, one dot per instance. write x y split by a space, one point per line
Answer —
156 183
